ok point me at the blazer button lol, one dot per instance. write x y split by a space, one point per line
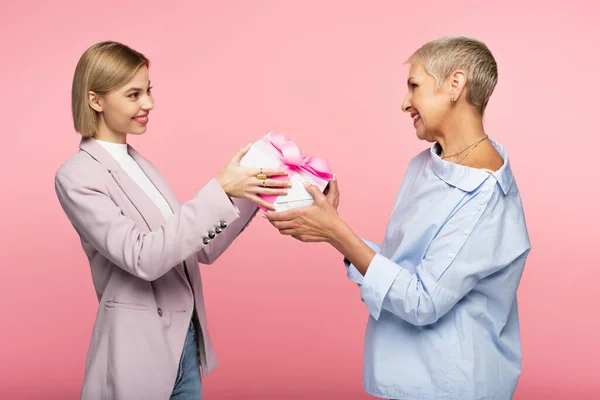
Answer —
206 240
159 312
223 224
211 234
218 229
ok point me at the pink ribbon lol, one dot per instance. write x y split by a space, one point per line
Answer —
292 160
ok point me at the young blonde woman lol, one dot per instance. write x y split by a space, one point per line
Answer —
150 339
441 288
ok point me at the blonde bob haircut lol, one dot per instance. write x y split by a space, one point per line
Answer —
103 67
443 56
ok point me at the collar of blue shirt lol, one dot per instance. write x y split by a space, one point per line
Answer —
469 179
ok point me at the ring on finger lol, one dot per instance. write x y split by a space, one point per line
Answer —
261 175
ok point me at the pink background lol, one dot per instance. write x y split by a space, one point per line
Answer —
285 321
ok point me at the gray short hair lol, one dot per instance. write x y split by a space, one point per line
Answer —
443 56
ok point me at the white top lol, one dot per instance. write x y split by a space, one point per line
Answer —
119 153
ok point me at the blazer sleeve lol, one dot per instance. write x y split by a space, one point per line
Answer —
148 255
247 210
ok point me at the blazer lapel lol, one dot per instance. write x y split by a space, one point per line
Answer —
161 185
157 180
146 207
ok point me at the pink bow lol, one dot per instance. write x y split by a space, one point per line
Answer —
293 160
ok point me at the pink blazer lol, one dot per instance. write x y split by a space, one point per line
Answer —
136 260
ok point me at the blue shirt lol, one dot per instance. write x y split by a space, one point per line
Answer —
441 290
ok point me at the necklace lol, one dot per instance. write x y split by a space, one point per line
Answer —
472 146
467 155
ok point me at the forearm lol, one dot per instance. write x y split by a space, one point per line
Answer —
351 246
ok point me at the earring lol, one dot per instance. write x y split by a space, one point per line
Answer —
452 98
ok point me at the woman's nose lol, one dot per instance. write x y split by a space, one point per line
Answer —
406 104
148 104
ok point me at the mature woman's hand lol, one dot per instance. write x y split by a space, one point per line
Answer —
314 223
243 183
332 193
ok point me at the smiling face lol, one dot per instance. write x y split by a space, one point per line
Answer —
428 105
124 110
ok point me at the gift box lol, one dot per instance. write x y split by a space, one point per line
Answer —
274 151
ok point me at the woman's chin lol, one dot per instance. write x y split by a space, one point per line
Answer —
422 135
138 131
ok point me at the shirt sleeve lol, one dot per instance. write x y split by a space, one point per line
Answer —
351 270
481 238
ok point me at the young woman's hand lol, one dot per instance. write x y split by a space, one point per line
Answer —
248 183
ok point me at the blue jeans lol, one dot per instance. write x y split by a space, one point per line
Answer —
188 385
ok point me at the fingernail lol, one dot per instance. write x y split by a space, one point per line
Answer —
264 216
334 177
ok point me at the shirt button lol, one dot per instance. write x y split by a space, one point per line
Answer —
480 208
451 255
159 312
466 231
